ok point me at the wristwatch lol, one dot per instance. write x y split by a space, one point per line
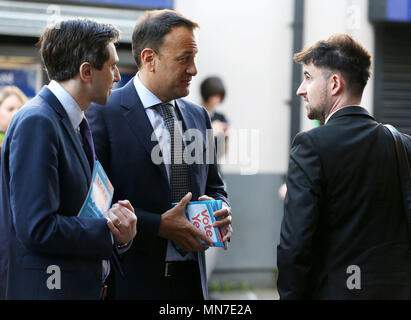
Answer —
122 245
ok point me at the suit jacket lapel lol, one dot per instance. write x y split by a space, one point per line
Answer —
186 116
55 104
137 119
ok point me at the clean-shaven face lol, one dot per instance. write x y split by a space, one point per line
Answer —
174 64
104 79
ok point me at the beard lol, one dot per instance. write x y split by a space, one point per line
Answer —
316 114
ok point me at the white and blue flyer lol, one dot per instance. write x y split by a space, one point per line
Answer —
99 196
201 215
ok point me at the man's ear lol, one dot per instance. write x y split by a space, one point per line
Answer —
337 83
147 59
86 72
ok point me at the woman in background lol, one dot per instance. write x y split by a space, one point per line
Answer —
213 93
11 100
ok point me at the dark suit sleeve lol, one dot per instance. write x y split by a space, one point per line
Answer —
301 213
215 185
35 196
147 222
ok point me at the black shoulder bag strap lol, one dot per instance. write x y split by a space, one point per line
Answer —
404 170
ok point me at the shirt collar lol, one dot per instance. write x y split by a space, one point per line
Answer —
148 99
73 110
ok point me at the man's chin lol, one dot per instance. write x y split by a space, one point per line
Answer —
101 101
320 118
182 94
186 91
311 115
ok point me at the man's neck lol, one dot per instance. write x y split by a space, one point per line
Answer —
146 81
77 92
343 102
339 104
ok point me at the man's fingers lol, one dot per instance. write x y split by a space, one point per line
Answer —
126 204
225 212
114 218
121 222
197 245
222 223
125 213
121 215
113 228
227 236
229 233
223 217
205 198
192 244
186 199
199 234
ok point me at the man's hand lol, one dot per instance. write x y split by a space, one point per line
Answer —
176 227
225 221
219 127
122 221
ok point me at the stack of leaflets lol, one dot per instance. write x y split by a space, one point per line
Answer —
201 215
99 196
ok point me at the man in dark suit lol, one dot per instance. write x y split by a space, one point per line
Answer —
48 252
344 233
154 174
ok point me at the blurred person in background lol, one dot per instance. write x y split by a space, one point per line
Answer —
213 92
11 100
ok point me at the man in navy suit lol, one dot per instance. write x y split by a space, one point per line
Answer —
48 252
137 138
344 234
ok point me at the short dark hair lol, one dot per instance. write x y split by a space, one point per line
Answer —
212 86
151 28
68 43
340 53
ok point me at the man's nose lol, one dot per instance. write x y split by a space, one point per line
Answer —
301 90
192 69
117 76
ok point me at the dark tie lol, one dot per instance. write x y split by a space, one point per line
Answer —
179 173
87 142
88 146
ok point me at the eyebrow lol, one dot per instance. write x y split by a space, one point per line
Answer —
193 51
